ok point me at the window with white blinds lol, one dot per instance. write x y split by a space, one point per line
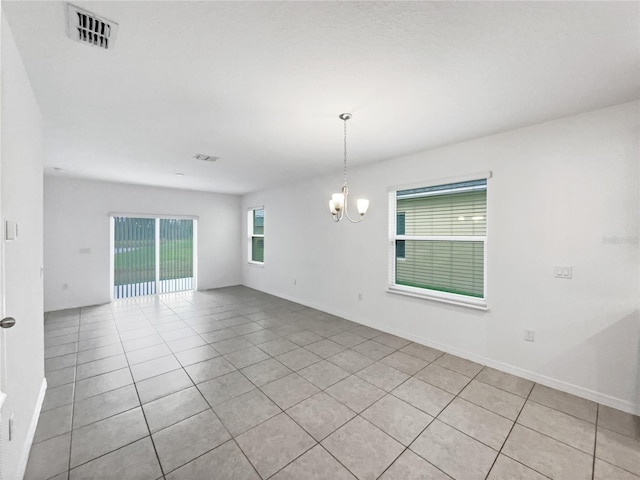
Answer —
437 241
256 235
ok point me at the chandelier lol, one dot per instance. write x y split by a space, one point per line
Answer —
338 205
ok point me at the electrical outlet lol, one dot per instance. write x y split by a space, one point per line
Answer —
529 335
360 297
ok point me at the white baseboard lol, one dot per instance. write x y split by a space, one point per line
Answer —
561 385
567 387
24 458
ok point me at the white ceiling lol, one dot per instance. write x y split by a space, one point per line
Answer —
261 84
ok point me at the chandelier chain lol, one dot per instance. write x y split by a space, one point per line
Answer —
345 152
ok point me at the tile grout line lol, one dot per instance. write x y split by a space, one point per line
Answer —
186 373
73 402
537 402
527 399
319 442
71 426
435 417
316 442
359 414
554 439
515 422
233 439
153 444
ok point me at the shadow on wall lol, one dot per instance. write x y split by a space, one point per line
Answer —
610 360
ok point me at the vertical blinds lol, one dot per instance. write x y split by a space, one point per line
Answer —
176 254
443 231
134 257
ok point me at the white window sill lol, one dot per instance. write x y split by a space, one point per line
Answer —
442 297
256 264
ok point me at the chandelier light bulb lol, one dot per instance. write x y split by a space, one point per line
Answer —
338 201
363 206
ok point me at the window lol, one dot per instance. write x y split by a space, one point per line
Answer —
256 235
437 242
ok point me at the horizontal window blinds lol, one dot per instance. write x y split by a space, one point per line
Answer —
446 266
258 222
257 249
451 212
440 244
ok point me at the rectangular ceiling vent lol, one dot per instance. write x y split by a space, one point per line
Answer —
89 28
205 158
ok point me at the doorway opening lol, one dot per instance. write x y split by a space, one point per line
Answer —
152 254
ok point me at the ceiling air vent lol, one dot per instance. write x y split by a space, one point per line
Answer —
89 28
205 158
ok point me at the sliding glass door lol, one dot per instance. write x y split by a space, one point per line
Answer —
152 255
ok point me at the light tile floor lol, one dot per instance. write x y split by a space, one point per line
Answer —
235 384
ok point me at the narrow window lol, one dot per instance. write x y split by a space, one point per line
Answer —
256 235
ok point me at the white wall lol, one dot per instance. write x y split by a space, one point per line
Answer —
21 172
77 218
560 191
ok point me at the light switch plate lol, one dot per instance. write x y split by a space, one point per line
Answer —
10 230
563 271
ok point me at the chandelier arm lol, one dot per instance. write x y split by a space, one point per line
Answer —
346 212
354 221
345 209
